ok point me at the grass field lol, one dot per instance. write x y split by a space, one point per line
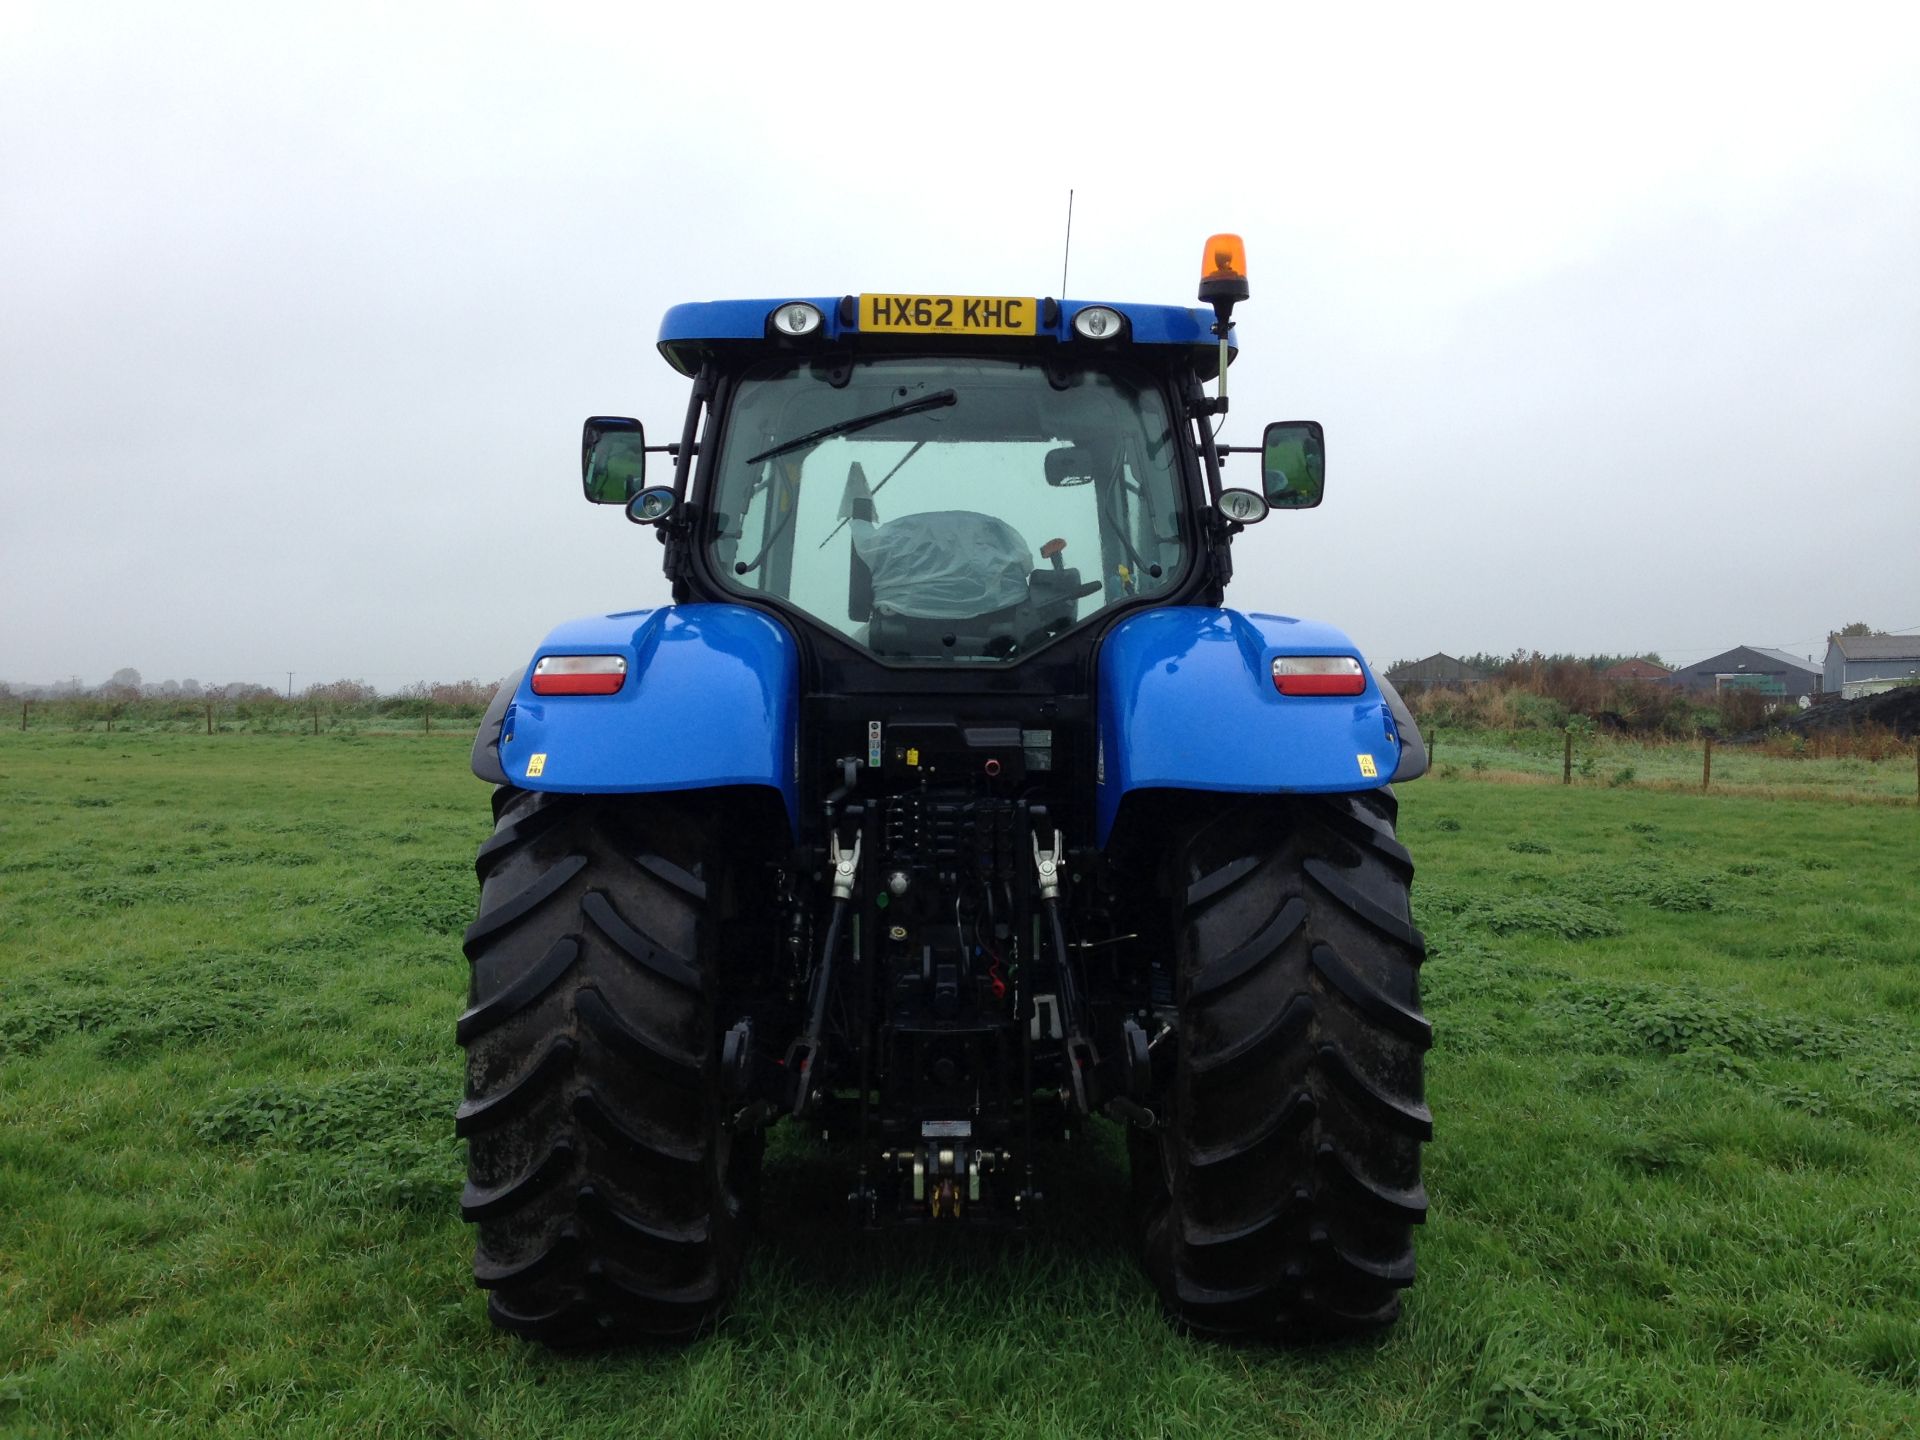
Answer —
1676 1086
1619 761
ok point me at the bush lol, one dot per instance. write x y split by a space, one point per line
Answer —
1560 691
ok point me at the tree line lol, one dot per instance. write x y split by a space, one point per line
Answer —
126 686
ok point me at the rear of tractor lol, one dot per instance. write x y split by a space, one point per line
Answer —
944 809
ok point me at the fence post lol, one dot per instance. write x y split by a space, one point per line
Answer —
1706 767
316 717
23 715
1566 766
209 716
426 715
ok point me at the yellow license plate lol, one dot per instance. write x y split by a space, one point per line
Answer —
950 314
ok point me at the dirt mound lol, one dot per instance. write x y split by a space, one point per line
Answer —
1895 710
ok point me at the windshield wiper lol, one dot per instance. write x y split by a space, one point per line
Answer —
859 422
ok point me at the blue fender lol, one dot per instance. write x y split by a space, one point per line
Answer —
1187 702
711 698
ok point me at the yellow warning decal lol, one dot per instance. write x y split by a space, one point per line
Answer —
913 757
1367 767
538 763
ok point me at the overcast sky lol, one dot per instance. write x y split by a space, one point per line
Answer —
1614 325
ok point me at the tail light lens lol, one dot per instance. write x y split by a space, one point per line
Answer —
579 674
1318 675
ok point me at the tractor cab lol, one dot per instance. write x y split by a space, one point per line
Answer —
947 480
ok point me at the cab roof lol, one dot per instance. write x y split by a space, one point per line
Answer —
700 330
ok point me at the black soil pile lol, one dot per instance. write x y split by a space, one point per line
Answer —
1895 710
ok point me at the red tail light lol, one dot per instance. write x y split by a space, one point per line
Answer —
1318 675
579 674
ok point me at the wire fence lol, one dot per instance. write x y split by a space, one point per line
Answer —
213 715
1877 766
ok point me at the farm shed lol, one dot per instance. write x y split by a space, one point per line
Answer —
1433 672
1865 664
1773 672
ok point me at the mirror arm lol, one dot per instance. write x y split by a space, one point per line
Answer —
704 385
1220 546
1210 459
676 536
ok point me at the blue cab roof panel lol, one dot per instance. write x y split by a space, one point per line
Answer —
690 332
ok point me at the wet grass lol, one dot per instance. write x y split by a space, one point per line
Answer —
1606 761
1676 1084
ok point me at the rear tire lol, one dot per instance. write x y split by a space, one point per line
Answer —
610 1192
1278 1198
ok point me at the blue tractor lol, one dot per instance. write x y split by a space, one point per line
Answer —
945 808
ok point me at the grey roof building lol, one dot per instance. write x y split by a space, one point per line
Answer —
1772 672
1855 662
1434 671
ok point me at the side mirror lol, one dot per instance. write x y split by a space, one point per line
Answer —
613 459
1293 464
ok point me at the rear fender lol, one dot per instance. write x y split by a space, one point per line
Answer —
710 699
1187 702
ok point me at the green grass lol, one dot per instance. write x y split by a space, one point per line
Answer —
1676 1087
1615 762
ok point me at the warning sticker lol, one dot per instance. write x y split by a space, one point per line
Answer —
1367 767
536 764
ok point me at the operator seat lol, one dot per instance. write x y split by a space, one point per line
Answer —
952 582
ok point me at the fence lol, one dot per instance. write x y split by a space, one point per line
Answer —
255 715
1872 766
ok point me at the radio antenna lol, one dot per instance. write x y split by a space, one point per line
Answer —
1067 254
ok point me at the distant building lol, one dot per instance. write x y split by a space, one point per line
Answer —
1867 664
1643 672
1752 667
1433 672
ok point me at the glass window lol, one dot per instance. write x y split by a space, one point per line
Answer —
956 509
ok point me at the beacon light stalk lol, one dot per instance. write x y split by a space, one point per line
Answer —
1223 284
579 674
1318 675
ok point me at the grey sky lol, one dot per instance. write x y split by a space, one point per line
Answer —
1615 328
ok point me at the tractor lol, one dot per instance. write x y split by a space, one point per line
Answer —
946 808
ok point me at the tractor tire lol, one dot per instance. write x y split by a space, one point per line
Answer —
610 1192
1277 1197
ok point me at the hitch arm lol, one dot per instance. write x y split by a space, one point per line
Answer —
1082 1058
803 1058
